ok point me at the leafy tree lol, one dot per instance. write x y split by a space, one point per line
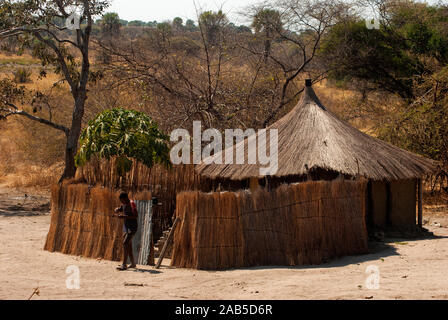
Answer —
164 30
407 57
422 127
268 23
411 43
243 29
354 52
136 23
178 24
213 24
190 25
152 24
32 22
422 27
124 134
110 24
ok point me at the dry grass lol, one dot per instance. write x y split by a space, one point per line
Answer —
33 176
435 198
306 223
18 167
31 153
22 60
366 115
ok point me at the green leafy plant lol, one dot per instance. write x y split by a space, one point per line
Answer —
124 134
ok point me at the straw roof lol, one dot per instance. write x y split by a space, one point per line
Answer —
311 137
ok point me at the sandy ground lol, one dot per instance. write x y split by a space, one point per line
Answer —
409 269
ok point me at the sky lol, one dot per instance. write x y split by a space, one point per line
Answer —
160 10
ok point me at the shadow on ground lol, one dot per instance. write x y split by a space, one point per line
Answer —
151 271
377 251
22 213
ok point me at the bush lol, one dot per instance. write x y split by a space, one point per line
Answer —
22 75
124 134
422 127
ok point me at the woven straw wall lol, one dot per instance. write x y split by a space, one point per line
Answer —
82 222
161 182
306 223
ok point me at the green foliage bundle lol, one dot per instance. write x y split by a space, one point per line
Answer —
124 134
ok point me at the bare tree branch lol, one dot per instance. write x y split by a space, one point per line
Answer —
16 111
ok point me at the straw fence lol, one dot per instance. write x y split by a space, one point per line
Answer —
163 183
157 179
307 223
82 222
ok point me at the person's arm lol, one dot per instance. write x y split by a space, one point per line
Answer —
119 209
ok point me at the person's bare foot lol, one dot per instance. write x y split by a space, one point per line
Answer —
122 267
133 266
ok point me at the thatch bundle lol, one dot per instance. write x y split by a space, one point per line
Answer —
82 222
307 223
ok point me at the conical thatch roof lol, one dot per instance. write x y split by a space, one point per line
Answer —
311 137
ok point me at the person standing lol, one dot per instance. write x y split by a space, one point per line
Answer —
129 213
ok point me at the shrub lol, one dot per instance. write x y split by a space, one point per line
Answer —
22 75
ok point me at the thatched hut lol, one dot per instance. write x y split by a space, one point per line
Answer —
299 223
313 144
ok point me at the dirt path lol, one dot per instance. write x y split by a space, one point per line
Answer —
408 270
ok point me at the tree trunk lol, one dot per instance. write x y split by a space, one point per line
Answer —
70 168
73 137
267 50
267 46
